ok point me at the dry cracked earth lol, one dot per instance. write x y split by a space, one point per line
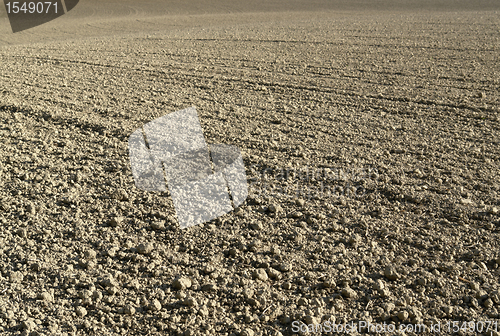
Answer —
372 147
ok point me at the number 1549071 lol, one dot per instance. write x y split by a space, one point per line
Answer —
471 326
25 7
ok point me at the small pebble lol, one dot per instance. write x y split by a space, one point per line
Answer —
349 293
120 195
203 311
129 309
300 202
45 296
180 295
488 303
23 233
155 305
466 201
474 286
247 332
296 214
379 285
391 273
97 295
285 267
257 226
37 267
158 226
182 283
260 274
311 320
422 281
209 288
389 306
493 210
115 221
145 248
16 277
80 311
448 310
90 254
403 315
303 302
29 324
329 283
109 281
273 274
190 302
275 208
355 239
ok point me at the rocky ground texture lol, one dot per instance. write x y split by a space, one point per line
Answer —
372 148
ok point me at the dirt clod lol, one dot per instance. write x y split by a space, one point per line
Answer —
260 274
81 311
391 273
182 283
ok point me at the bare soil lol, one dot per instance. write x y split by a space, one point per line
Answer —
371 140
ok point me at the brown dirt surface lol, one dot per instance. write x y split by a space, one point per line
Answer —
371 140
